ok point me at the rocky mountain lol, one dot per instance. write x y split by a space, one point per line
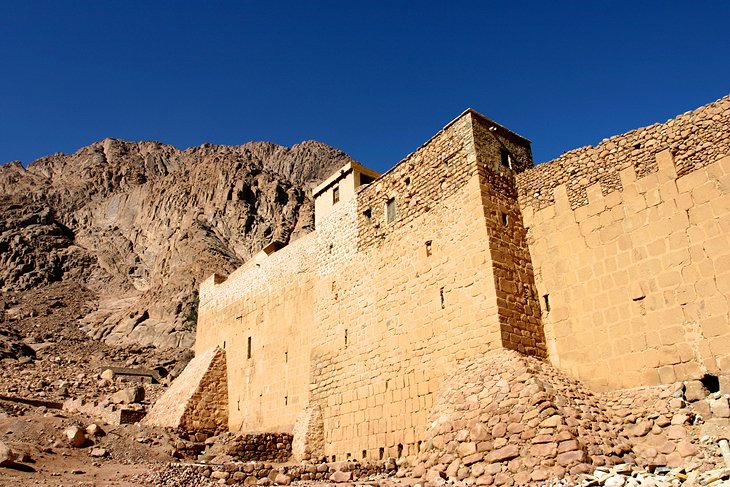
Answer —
141 223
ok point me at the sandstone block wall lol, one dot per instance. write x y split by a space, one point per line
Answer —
262 315
198 399
421 292
632 252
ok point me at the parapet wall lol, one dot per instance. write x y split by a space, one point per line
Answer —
630 243
696 139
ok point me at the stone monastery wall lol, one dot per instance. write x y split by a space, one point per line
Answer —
613 262
630 241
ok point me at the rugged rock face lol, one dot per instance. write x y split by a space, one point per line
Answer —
140 224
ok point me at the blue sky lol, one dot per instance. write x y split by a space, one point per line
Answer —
375 79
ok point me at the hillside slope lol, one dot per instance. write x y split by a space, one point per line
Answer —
141 223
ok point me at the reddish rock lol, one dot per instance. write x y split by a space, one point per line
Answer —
686 448
340 476
570 457
507 453
479 432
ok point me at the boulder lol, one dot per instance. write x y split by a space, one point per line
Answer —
7 456
129 395
75 436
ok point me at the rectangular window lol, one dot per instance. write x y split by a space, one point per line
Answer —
506 158
390 210
248 354
335 194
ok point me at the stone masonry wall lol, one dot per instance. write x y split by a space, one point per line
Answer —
265 307
696 139
198 399
636 272
519 312
418 296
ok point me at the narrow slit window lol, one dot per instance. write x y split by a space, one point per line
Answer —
286 357
364 454
335 194
368 214
505 219
390 210
443 303
345 336
546 300
400 450
381 453
428 248
286 400
506 158
248 353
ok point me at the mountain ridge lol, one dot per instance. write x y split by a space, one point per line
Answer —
141 223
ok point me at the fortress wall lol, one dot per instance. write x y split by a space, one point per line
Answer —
695 138
636 265
271 300
418 297
519 312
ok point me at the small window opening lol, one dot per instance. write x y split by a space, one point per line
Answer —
335 195
286 357
390 210
286 400
349 455
368 214
334 458
381 453
711 382
428 248
505 220
224 344
443 304
418 446
637 146
506 158
332 246
408 181
400 450
248 354
366 179
546 299
364 454
345 336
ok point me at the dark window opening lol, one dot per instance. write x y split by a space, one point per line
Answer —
506 158
345 336
418 446
224 344
335 194
332 246
366 179
286 400
443 304
364 454
334 458
248 354
390 210
637 146
349 455
504 219
546 299
408 181
368 214
428 248
286 357
381 453
711 382
400 450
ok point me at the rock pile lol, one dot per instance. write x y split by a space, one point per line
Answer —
258 473
508 419
262 447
